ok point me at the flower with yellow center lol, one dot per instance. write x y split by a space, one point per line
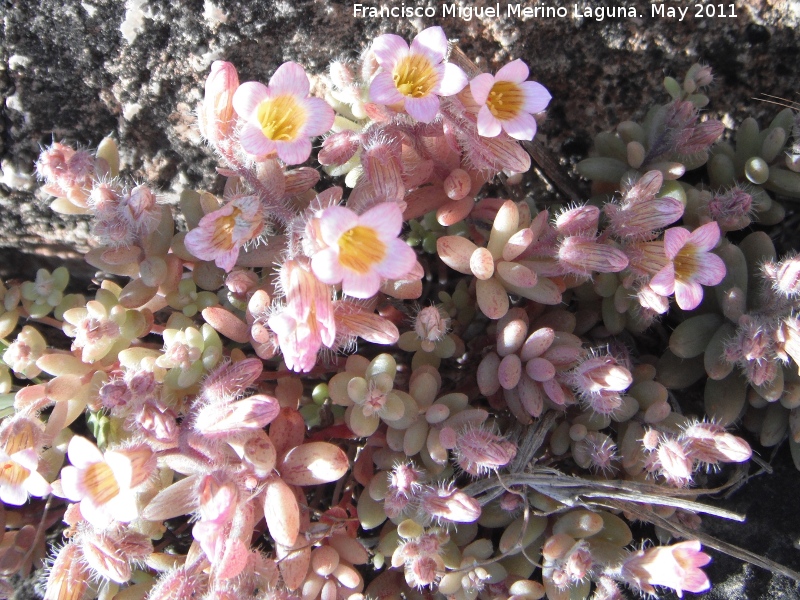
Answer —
362 249
20 441
508 102
281 118
691 264
104 484
415 77
221 233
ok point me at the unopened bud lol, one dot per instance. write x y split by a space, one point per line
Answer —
216 113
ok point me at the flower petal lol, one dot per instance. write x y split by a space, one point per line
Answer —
688 294
253 140
705 237
383 90
423 109
431 43
711 269
385 218
334 221
296 152
248 96
83 453
453 80
488 124
389 49
663 282
400 259
290 78
319 117
536 97
674 239
516 71
361 285
227 261
521 127
325 265
480 86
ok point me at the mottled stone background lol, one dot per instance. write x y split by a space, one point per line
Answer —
78 71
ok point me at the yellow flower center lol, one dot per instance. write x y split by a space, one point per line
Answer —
360 248
281 118
13 473
414 76
686 264
100 482
223 231
505 100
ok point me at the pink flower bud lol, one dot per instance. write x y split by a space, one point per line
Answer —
230 380
676 567
255 412
580 255
447 503
479 450
431 326
216 112
338 148
581 220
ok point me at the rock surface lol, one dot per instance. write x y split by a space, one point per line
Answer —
78 71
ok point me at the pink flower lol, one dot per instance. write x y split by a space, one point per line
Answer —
221 233
362 250
676 567
19 477
281 117
415 77
307 322
508 101
691 264
103 484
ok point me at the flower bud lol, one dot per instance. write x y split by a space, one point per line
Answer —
216 112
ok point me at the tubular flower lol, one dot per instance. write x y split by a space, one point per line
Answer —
415 77
691 264
221 233
307 322
362 250
508 101
103 484
281 117
676 567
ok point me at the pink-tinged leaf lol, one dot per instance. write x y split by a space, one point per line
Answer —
313 463
456 252
517 244
227 324
293 562
509 371
492 298
234 560
255 412
368 326
455 211
281 512
516 274
488 378
481 263
287 430
530 396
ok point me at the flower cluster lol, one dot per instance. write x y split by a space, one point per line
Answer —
520 421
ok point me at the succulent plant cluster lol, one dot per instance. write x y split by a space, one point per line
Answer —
251 405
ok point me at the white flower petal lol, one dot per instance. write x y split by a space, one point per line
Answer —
453 80
385 218
432 43
383 91
522 127
480 87
334 221
516 71
296 152
290 78
389 49
253 140
488 125
248 96
536 97
326 267
361 285
319 117
423 109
